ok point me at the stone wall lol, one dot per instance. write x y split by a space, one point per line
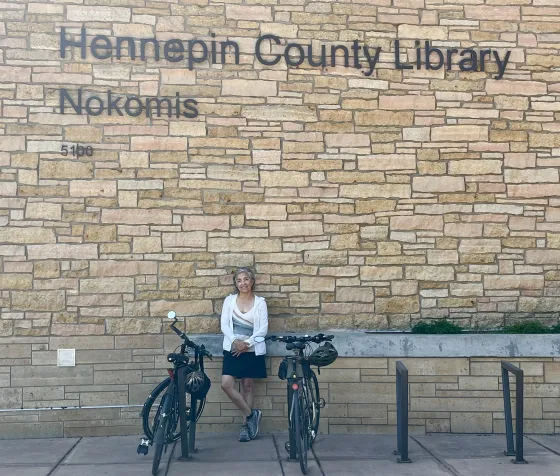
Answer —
363 202
458 395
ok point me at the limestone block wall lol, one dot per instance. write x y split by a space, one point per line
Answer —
365 197
457 395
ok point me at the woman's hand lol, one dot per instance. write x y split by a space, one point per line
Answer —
239 347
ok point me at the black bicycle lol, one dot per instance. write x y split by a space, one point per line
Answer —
304 401
160 421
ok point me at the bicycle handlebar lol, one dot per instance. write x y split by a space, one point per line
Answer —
317 339
198 348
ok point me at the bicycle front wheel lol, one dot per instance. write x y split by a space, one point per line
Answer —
300 431
152 410
161 436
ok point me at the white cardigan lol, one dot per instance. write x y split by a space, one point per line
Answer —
260 327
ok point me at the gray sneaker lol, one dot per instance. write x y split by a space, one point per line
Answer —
253 423
244 434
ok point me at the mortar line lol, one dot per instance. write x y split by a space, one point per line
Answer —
442 462
64 457
543 445
278 455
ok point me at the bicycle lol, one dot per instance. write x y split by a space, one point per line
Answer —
162 429
304 401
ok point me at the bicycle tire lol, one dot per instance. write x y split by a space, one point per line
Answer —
313 387
148 423
300 430
161 436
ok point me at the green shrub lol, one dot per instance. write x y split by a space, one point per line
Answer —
531 327
436 327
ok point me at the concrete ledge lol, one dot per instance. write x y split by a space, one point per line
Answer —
361 344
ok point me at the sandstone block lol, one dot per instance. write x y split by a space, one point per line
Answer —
248 13
93 188
418 222
27 235
397 305
205 222
381 273
193 239
295 228
315 284
265 211
107 285
65 169
284 179
247 87
460 134
430 273
384 118
375 191
38 301
98 13
475 167
146 244
62 251
515 88
409 102
434 184
43 211
480 246
136 216
519 281
347 140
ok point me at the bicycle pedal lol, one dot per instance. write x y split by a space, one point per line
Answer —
287 446
322 403
143 447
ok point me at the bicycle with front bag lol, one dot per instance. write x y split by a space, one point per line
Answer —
304 401
161 421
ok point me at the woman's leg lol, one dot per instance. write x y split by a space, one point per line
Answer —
228 386
247 387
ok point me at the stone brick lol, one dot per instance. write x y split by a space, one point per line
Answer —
434 184
27 235
384 118
397 305
107 285
38 301
205 222
97 13
459 133
65 169
475 167
244 87
265 212
409 102
295 228
430 273
419 222
284 179
137 216
43 211
519 88
381 273
315 284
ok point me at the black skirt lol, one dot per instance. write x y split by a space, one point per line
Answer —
247 365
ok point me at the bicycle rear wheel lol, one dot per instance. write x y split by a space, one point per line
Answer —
313 387
300 431
152 409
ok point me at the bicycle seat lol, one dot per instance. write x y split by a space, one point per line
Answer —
177 358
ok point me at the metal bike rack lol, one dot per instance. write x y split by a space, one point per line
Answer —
186 446
512 450
402 413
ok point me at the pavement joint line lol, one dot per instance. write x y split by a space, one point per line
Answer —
442 463
318 461
543 445
170 458
57 464
278 455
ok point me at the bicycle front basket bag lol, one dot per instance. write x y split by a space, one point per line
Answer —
198 384
323 355
283 370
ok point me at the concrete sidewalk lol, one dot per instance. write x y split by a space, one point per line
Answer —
222 454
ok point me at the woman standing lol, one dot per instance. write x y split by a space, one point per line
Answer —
244 317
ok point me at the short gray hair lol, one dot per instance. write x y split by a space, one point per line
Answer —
247 271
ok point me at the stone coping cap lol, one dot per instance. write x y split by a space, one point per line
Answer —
361 344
